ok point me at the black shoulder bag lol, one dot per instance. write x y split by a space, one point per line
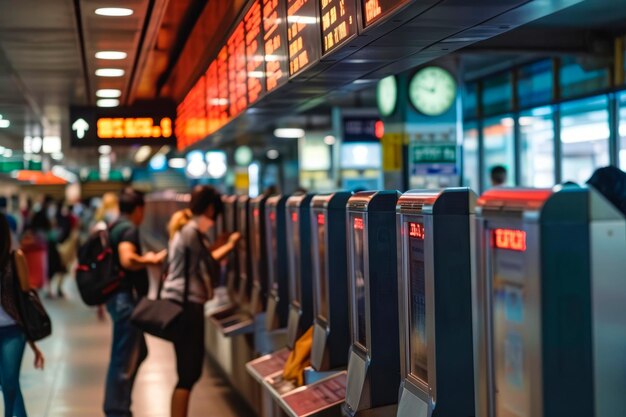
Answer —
159 317
35 320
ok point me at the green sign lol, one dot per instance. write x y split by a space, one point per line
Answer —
434 154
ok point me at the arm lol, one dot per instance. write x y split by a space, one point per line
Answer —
221 252
132 261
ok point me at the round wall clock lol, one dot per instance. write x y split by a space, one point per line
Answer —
432 91
387 95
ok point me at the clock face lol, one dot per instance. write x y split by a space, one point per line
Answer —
432 91
387 95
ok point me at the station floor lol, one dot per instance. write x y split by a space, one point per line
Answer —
76 362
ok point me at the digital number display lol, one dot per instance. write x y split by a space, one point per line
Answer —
133 127
237 71
255 57
374 10
321 220
302 34
358 223
510 239
416 231
294 216
275 44
338 18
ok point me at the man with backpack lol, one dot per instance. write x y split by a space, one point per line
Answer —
128 349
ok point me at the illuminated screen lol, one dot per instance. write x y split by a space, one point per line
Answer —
293 246
417 302
321 283
272 246
361 155
302 34
338 19
358 278
191 116
511 239
275 44
237 71
255 57
510 343
374 10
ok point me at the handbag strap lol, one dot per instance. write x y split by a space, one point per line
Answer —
186 291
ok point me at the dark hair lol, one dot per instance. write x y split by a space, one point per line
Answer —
5 241
129 200
498 174
203 197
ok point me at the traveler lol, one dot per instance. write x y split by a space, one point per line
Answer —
129 348
191 257
13 339
498 176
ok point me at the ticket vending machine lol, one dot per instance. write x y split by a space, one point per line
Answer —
276 243
258 254
374 356
435 231
230 226
239 320
331 329
551 315
298 222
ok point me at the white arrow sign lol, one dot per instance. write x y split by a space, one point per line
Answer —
80 126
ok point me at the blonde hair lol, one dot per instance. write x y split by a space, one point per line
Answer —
110 202
178 221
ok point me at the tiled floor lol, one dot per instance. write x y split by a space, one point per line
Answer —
76 362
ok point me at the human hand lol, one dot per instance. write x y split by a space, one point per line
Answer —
160 257
39 358
234 238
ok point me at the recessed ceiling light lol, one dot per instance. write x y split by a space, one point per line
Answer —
111 55
108 102
4 123
109 93
289 133
109 72
114 11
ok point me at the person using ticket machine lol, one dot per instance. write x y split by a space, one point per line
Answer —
435 232
551 317
374 357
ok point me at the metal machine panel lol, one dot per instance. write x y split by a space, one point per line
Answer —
374 365
258 254
435 240
278 297
298 225
548 319
331 338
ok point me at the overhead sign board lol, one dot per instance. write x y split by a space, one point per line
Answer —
148 124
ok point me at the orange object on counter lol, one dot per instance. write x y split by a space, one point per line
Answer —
299 358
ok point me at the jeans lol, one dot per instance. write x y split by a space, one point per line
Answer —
128 351
12 344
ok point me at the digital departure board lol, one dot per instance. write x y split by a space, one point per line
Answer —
338 19
223 100
302 34
237 71
275 43
255 56
191 116
374 10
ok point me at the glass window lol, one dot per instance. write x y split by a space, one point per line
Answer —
535 84
470 156
497 95
584 137
499 148
581 77
622 130
470 101
537 141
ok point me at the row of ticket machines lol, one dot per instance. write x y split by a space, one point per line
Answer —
433 303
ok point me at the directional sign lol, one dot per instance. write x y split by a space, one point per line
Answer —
150 123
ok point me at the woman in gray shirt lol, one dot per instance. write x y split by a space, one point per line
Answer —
192 258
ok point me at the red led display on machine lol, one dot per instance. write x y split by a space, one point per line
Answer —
358 223
294 216
416 231
321 220
338 22
510 239
374 10
302 34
